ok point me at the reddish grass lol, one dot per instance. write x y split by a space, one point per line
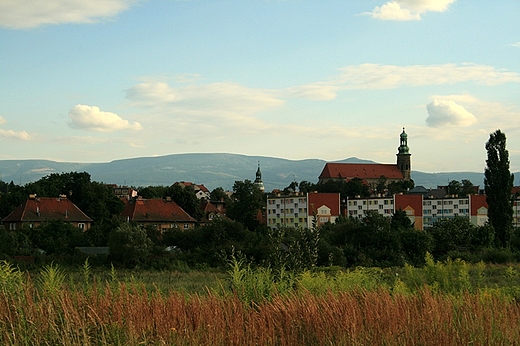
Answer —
131 316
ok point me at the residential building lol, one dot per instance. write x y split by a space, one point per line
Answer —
37 210
322 208
161 214
423 211
201 191
302 210
123 191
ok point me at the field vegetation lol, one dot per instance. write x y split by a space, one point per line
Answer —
441 303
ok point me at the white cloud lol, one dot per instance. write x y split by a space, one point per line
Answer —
377 76
92 118
215 98
402 10
448 113
22 135
19 135
517 44
27 14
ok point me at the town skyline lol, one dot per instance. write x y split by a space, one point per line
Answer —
117 79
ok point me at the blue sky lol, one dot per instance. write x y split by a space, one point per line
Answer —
100 80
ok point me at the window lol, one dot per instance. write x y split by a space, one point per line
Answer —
381 207
186 226
12 226
80 225
360 207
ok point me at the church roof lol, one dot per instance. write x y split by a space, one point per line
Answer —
360 170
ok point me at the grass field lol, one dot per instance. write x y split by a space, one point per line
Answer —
449 303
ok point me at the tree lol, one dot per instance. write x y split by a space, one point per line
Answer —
498 183
186 198
129 245
247 201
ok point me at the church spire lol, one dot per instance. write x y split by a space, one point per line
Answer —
258 180
404 161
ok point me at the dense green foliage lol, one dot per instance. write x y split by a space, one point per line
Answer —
498 184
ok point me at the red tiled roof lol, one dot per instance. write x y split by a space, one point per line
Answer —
360 170
47 208
155 210
412 201
331 200
477 202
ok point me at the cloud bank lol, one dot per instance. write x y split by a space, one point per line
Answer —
92 118
27 14
448 113
404 10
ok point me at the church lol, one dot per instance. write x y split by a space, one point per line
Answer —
371 173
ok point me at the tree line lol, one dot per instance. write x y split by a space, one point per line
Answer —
370 241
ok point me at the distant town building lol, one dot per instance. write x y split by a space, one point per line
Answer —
423 211
161 214
201 191
37 210
302 210
123 191
258 180
372 173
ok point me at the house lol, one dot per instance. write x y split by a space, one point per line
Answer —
37 210
123 192
211 211
161 214
372 173
201 191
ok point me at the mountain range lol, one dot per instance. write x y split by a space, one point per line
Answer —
212 169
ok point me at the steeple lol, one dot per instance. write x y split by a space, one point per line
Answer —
404 161
258 180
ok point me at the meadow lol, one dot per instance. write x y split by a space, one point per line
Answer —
442 303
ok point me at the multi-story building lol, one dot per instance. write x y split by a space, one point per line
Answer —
422 211
302 210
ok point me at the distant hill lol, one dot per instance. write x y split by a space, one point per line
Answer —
212 170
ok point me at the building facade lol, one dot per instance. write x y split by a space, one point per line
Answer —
423 211
302 210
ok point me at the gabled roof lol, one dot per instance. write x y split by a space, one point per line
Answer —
360 170
477 202
414 202
155 210
39 209
331 200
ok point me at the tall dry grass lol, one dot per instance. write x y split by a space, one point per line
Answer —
132 316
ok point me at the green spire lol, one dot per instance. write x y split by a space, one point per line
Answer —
403 147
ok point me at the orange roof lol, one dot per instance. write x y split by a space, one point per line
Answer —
331 200
155 210
47 208
413 201
477 202
360 170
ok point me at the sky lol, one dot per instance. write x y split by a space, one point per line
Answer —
102 80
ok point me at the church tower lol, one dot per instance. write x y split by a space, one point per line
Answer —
258 181
404 161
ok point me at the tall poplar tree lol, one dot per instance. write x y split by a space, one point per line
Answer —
498 183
